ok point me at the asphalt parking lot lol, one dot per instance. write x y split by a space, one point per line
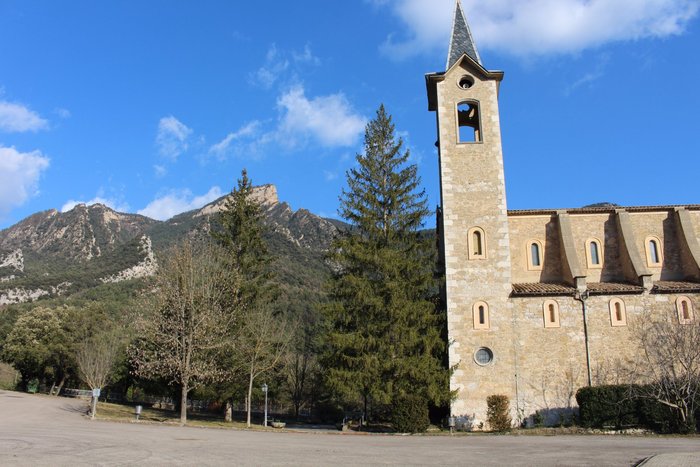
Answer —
42 430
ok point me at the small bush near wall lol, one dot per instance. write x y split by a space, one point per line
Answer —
498 413
607 406
409 414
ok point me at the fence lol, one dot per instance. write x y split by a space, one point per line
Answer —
79 393
193 405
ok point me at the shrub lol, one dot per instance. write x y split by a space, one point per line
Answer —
622 406
409 414
610 405
327 412
538 419
498 413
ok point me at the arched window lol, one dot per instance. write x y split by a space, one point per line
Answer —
478 250
550 311
534 255
480 311
476 243
684 307
618 312
654 253
468 122
594 253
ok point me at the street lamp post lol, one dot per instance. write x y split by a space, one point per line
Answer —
264 389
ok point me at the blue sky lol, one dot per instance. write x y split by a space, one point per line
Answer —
155 107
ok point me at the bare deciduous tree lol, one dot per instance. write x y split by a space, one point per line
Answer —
669 364
261 344
192 320
301 367
96 358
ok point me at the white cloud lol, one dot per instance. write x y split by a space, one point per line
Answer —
282 64
593 74
19 176
537 27
175 202
61 112
224 147
306 56
111 203
16 118
329 119
160 170
275 65
172 137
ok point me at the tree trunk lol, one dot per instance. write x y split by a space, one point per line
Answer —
183 405
228 411
93 407
365 416
60 385
250 394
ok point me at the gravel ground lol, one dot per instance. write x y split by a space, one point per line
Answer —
42 430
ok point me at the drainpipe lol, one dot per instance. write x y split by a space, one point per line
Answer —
582 297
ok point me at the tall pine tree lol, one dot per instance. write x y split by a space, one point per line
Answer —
240 232
384 341
260 339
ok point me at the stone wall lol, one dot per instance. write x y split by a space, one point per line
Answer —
551 362
473 195
522 230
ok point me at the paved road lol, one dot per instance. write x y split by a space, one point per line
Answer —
41 430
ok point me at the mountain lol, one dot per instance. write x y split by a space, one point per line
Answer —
53 254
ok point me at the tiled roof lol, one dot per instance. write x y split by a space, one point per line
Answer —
611 288
601 210
541 288
462 42
675 286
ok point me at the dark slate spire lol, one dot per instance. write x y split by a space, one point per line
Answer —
462 41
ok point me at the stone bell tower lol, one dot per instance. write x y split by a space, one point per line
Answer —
474 226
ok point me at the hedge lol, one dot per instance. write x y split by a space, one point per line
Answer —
619 406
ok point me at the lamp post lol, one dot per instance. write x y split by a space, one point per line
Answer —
264 389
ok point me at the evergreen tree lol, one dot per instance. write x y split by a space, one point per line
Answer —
385 339
260 337
240 232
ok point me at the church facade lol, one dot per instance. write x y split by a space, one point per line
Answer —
540 302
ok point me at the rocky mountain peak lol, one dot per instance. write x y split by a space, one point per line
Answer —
52 253
81 233
265 195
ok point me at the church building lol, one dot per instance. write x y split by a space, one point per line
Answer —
540 302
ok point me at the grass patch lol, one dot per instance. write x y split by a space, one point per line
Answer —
125 413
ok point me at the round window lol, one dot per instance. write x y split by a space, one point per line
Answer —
483 356
466 82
